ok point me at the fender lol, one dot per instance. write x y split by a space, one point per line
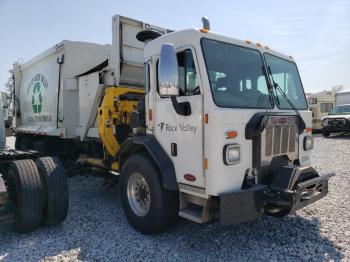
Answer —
161 159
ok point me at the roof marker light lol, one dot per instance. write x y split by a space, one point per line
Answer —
248 42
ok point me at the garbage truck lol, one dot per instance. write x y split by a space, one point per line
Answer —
189 123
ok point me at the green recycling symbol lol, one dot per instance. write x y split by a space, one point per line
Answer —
37 99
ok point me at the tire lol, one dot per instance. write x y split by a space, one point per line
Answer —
55 190
326 133
163 206
26 194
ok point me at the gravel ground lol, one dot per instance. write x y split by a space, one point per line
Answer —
96 229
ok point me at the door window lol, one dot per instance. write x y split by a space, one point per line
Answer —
188 80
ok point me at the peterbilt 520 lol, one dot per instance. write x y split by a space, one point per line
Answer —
190 123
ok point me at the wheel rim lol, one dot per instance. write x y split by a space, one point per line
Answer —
138 194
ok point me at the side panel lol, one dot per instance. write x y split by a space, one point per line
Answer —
37 87
69 110
38 95
127 52
88 94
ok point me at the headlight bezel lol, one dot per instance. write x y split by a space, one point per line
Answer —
324 122
308 143
234 149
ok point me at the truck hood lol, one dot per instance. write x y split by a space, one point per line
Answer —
335 116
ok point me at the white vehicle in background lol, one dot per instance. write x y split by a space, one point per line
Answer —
338 120
320 104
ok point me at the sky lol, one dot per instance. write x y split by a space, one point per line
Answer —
315 33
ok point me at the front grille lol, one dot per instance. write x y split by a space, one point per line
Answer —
268 140
292 137
284 142
280 138
276 139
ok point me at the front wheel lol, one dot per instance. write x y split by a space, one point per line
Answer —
148 206
326 133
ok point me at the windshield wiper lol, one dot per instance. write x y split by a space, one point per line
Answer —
268 90
277 87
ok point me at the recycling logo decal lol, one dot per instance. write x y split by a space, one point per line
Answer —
37 99
36 89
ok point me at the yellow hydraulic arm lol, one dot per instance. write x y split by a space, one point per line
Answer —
112 112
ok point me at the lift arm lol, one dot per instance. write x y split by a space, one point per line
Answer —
115 110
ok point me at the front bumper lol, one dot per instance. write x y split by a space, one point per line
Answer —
290 189
336 129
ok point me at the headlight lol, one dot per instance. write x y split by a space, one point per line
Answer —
324 122
308 143
232 154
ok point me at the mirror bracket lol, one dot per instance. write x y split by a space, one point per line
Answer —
182 108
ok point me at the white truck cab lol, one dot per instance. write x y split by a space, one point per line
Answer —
233 118
223 81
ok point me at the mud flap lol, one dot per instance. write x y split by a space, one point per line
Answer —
243 206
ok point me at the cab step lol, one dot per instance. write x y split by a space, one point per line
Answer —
195 207
192 213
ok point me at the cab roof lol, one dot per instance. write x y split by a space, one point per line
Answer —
193 36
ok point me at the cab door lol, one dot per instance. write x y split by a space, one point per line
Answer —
182 135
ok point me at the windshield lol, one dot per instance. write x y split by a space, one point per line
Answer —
285 75
236 75
341 110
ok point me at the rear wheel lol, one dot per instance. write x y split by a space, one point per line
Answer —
26 194
148 206
55 189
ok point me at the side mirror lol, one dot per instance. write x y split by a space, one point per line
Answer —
168 75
